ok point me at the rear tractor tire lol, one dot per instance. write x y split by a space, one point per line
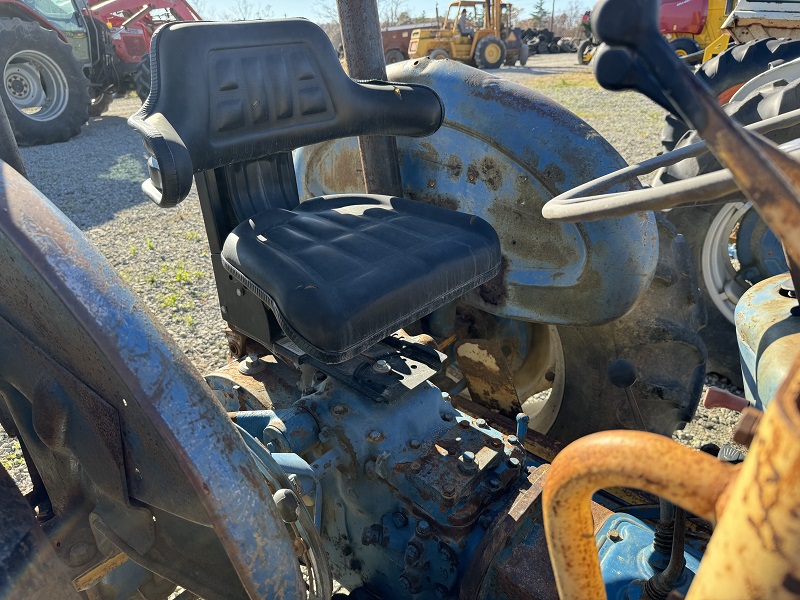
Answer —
45 92
490 52
684 47
141 79
728 71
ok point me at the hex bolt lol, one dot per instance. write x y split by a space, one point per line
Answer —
375 436
412 552
464 424
415 467
495 483
614 535
339 410
513 462
448 490
447 416
468 457
405 583
414 444
496 443
513 440
446 397
251 365
399 519
423 528
381 366
481 423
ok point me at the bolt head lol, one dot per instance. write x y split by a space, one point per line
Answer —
447 416
496 443
405 583
381 366
513 462
481 422
399 520
495 483
468 457
375 436
423 528
464 424
339 410
614 535
415 444
448 490
513 440
415 467
412 552
446 397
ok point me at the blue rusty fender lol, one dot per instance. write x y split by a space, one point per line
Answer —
502 152
61 294
768 330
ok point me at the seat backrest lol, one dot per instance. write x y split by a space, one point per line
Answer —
227 93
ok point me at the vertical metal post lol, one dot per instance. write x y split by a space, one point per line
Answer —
363 51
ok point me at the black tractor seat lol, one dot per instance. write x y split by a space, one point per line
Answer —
338 273
343 272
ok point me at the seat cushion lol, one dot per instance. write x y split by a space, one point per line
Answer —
342 272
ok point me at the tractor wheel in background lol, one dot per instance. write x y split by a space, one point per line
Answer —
393 56
586 52
141 78
728 71
553 48
438 54
490 52
99 101
45 92
524 52
732 247
684 46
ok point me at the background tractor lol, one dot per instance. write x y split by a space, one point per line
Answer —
63 62
494 42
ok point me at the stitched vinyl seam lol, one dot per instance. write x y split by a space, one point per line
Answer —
366 342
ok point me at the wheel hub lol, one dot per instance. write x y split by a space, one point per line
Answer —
36 85
493 53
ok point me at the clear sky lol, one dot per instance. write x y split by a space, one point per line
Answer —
313 9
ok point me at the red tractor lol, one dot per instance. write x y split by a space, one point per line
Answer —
64 61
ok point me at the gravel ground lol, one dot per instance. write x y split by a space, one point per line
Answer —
162 253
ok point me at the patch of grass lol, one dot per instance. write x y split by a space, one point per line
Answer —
170 300
192 236
150 244
564 80
133 251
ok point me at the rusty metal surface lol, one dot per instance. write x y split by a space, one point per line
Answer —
499 534
29 567
276 386
59 293
768 333
497 156
645 461
759 517
489 377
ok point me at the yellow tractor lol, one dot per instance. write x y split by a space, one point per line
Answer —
478 33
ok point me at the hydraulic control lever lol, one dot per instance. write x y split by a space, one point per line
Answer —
767 176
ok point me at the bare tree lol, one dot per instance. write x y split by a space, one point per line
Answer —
245 10
391 11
